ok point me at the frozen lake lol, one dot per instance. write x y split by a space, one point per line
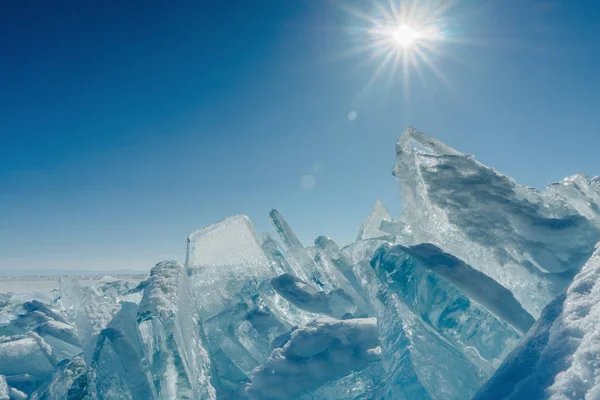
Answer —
44 285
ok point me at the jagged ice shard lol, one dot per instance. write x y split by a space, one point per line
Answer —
439 303
529 241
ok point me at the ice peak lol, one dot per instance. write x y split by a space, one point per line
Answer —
370 228
283 229
413 140
380 206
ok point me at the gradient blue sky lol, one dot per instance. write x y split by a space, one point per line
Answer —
124 125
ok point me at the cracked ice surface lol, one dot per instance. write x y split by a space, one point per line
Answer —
527 240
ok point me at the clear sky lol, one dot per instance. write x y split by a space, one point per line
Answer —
124 125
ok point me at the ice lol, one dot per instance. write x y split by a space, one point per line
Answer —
482 337
23 323
172 344
26 354
36 305
276 256
15 394
371 227
578 192
69 381
418 362
24 383
61 337
286 312
302 263
560 357
336 304
426 306
117 371
3 388
474 284
91 309
361 385
337 268
321 267
227 266
9 393
241 337
322 351
221 259
529 241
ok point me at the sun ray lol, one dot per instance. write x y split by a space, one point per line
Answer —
402 36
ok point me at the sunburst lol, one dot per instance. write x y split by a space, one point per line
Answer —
404 36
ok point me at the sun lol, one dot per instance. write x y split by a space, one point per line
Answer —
405 36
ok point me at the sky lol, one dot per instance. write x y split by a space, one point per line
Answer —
126 125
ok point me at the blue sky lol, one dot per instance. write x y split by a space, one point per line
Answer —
124 127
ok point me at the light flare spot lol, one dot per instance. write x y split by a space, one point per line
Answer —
308 182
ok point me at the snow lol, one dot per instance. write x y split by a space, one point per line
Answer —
560 357
25 354
322 351
3 388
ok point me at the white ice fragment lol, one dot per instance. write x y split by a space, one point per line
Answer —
221 259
